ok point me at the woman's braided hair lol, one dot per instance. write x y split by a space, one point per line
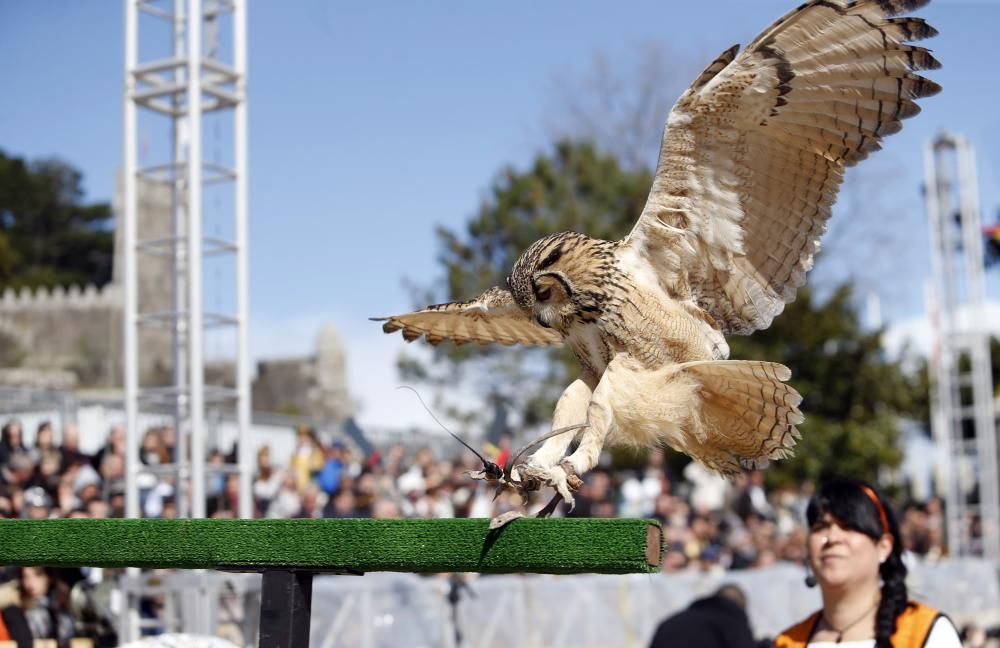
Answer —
857 506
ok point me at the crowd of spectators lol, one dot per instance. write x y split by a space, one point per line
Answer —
709 523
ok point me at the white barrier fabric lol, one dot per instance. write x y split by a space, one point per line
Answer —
590 610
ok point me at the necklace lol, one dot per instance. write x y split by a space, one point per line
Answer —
840 631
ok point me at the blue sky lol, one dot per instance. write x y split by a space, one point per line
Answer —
373 122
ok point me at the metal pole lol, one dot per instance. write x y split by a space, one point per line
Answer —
178 229
131 278
130 348
245 458
195 329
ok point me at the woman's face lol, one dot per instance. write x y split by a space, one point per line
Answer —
34 581
842 557
44 438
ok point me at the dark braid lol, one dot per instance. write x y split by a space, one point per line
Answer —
894 598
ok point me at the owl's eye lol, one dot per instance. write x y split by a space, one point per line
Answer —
543 294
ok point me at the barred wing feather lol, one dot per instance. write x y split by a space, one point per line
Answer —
494 316
754 152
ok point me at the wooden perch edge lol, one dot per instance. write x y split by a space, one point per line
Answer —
546 546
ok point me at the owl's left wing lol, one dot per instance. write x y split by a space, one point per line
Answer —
494 316
754 152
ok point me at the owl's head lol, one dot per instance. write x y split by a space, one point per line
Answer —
555 279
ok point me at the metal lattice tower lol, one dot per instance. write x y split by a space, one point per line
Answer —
185 62
963 413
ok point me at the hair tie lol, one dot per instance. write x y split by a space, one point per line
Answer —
878 505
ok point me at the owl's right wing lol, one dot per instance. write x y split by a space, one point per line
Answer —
494 316
754 152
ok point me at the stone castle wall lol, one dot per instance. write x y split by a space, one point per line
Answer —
76 330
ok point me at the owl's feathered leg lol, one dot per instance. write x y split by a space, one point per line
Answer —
564 477
542 467
571 409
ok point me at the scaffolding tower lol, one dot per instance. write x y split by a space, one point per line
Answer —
963 412
185 60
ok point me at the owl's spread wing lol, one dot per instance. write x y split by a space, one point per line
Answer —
494 316
754 152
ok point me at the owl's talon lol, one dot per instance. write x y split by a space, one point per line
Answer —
563 480
504 519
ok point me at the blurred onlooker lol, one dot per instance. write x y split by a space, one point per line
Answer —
97 508
6 507
752 499
311 503
43 606
307 460
266 483
115 445
69 450
333 467
977 636
153 452
47 457
341 505
168 443
11 441
287 503
37 505
718 620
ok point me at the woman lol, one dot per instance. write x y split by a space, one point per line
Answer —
42 613
855 555
11 441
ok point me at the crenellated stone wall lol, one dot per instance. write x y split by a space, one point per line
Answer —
75 330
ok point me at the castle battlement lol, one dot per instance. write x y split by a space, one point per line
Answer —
60 298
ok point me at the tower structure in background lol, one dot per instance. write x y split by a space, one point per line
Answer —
185 131
963 411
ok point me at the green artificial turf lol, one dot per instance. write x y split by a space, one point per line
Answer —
552 546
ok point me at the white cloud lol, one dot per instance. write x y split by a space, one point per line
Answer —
919 334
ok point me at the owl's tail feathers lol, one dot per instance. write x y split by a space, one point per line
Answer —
748 414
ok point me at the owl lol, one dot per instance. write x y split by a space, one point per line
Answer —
752 156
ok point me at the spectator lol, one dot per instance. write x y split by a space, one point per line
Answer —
11 441
307 459
43 608
11 616
153 452
287 502
115 445
37 504
333 467
752 499
267 482
47 457
855 555
719 620
341 505
70 449
312 502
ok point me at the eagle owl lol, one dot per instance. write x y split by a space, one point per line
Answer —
751 159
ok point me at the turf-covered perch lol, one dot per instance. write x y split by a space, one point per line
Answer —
550 546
